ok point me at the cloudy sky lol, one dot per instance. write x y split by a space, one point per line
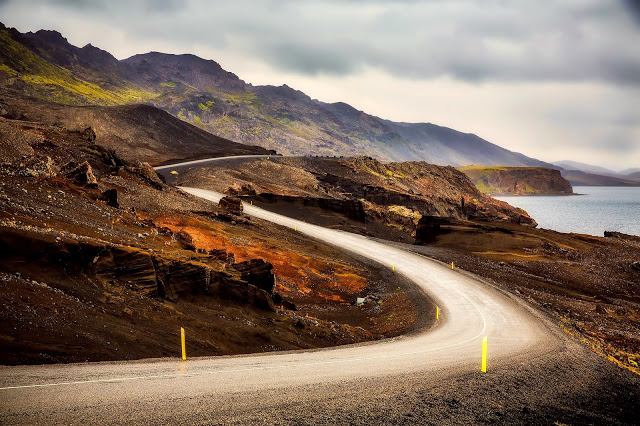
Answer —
554 79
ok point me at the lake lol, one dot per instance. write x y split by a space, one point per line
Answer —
599 209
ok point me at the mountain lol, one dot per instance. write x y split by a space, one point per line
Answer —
634 176
630 171
588 168
581 174
45 65
580 178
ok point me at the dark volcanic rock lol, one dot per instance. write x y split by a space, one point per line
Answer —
351 208
89 134
428 229
110 196
231 204
147 273
620 235
81 174
186 240
258 273
223 255
149 174
246 189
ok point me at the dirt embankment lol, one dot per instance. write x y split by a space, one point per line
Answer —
100 260
518 180
135 132
591 285
390 196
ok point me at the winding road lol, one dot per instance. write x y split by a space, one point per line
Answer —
233 388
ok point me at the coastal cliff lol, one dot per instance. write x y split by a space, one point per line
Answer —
518 180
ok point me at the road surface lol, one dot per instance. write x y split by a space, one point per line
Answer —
233 388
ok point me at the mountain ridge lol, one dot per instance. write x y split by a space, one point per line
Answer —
590 175
202 93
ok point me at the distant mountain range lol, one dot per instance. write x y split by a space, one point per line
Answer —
45 65
581 174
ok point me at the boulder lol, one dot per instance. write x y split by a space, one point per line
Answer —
146 171
231 204
110 196
89 134
244 189
81 174
186 240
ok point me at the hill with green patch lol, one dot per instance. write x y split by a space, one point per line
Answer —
45 65
517 180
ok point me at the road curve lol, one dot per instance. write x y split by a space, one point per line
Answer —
207 160
164 388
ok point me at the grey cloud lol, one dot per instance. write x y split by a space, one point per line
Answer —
472 41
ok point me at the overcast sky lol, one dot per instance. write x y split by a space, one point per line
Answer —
554 80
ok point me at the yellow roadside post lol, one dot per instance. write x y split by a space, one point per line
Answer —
184 351
451 265
484 354
393 267
295 228
437 313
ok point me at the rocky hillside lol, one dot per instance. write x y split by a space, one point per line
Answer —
362 189
45 65
517 180
101 260
581 174
136 132
580 178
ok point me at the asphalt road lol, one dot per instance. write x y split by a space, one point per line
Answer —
240 388
208 160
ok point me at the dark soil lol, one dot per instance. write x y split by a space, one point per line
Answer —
590 285
58 225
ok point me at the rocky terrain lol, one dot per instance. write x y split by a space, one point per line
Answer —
589 285
45 65
101 260
387 198
518 180
136 132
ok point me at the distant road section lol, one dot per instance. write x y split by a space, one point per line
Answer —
223 389
207 160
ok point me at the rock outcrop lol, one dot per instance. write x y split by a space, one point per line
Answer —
81 174
518 180
148 273
257 272
232 205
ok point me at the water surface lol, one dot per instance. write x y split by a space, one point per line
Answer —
601 208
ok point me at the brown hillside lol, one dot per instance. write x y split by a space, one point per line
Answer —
387 198
100 260
136 132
